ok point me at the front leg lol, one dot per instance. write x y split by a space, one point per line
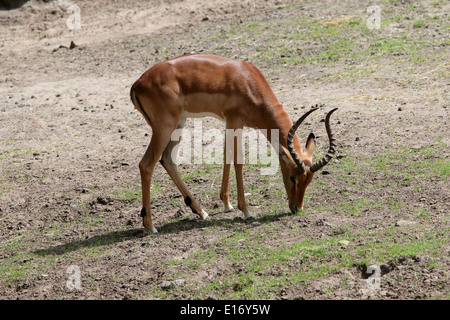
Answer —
233 150
242 205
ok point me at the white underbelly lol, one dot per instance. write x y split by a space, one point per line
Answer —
186 115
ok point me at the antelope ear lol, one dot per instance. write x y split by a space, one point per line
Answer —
310 144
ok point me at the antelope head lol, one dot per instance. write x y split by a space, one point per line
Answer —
297 167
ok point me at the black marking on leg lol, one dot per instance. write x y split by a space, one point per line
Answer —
143 212
194 211
188 202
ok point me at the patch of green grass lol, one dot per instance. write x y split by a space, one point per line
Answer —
128 195
418 24
135 194
198 171
357 206
411 7
14 152
286 38
259 270
199 258
5 188
22 265
404 166
391 247
353 74
19 267
389 46
438 166
395 172
293 38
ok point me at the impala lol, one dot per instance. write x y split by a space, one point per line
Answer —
235 91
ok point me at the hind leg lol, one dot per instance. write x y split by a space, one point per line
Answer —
225 189
168 163
160 139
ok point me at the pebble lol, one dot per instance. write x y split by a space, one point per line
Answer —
167 285
104 200
344 242
402 223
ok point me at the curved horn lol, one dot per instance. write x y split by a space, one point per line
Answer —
290 143
319 165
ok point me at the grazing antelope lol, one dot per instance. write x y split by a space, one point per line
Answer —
234 91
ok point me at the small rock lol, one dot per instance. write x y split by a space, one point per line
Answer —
60 47
319 223
179 282
382 293
402 223
104 200
167 285
344 242
422 259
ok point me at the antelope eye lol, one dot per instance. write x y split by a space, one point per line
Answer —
292 179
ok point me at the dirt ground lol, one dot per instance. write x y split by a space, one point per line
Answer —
71 141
